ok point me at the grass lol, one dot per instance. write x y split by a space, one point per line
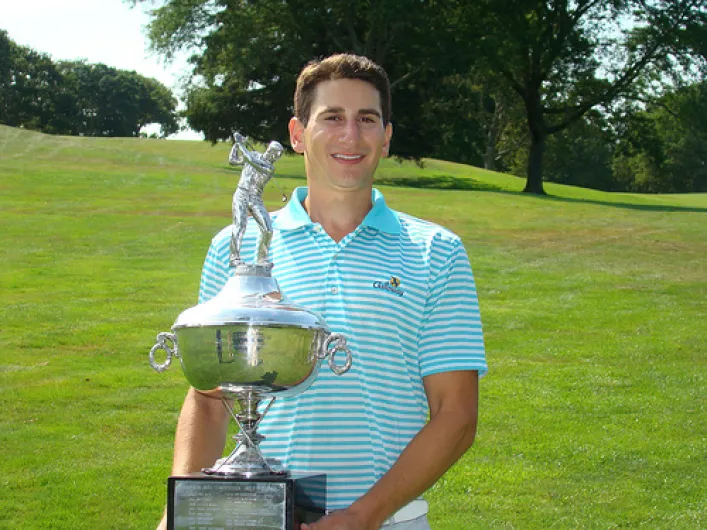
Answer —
594 307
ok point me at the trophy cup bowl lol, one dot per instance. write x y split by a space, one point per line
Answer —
249 343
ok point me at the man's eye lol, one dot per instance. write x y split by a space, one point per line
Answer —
367 119
332 118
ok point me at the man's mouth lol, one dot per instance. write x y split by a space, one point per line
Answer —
347 158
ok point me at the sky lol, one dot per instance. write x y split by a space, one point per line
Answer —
100 31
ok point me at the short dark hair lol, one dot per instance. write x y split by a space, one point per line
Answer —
340 66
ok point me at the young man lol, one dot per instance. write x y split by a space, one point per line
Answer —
399 288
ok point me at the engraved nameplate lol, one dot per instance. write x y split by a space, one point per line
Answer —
223 505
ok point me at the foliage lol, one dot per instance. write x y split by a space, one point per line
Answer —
31 91
564 58
664 148
77 98
112 102
247 56
472 120
581 154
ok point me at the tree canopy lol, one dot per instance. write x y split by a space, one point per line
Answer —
663 148
250 53
78 98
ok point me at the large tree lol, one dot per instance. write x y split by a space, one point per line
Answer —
566 57
112 102
246 57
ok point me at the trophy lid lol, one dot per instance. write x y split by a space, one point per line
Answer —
253 297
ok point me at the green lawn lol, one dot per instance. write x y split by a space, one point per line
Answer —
594 307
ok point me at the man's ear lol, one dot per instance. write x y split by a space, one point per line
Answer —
296 128
388 136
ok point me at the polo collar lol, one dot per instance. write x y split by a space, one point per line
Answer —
294 216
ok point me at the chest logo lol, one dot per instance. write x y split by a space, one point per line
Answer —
392 286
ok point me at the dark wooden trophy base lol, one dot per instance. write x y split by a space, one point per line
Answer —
208 502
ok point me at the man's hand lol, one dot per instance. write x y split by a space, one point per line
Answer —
340 520
163 522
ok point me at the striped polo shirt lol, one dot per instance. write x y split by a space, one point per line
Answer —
401 290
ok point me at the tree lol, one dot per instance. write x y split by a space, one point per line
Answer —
663 148
7 53
566 57
248 54
78 98
112 102
581 154
28 83
469 119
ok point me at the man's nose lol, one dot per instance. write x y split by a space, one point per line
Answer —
350 133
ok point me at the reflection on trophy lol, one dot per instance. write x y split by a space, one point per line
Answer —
249 344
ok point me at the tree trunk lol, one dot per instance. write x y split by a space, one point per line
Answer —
492 139
490 157
534 184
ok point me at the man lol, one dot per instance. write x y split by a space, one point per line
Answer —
258 170
399 288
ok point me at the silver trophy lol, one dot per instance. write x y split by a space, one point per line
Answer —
249 342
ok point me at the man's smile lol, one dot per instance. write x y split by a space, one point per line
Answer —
347 158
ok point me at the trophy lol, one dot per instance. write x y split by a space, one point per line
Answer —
251 344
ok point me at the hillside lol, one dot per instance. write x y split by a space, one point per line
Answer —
594 304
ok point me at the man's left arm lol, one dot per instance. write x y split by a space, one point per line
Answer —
453 402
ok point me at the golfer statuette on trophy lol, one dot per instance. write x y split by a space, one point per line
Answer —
249 344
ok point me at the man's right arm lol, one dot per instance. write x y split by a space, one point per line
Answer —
252 157
200 437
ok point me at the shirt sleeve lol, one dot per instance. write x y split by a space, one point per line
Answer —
215 273
450 335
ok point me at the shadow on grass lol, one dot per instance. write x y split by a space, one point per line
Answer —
626 205
438 182
448 182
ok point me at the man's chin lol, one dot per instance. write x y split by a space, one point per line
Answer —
353 187
353 181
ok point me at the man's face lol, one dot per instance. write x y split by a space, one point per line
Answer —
345 137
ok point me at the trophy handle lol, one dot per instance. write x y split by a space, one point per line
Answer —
340 345
161 344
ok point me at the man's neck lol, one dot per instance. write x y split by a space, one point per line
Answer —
338 213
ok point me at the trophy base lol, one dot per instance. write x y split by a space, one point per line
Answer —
236 503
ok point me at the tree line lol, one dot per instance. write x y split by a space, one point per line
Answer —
77 98
589 92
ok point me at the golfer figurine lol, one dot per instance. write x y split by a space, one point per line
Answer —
258 169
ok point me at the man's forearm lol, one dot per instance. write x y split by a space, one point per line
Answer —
435 448
200 437
201 433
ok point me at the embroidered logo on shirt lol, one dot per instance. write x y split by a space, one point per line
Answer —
392 286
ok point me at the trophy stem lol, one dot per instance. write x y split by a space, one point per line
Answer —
246 460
